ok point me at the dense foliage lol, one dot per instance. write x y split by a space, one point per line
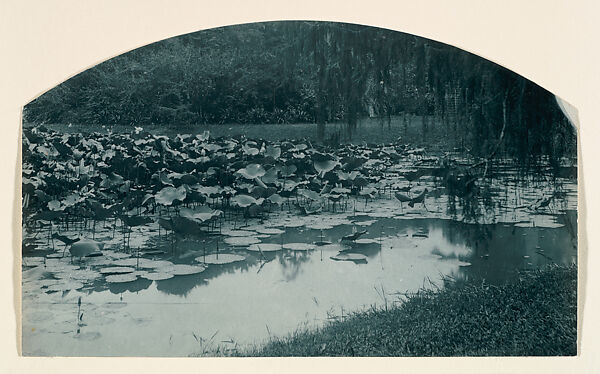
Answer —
289 72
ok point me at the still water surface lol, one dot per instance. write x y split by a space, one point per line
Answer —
275 293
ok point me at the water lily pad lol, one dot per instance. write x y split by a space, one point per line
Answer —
99 261
382 214
157 276
60 266
265 247
365 241
524 224
349 257
138 262
219 259
121 278
155 264
365 223
65 286
270 231
242 241
293 223
182 269
320 225
116 270
115 255
299 246
84 274
238 232
140 273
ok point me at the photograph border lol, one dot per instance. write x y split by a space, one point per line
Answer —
49 42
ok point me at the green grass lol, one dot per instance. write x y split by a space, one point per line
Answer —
535 315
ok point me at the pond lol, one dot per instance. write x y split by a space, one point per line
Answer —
194 245
290 284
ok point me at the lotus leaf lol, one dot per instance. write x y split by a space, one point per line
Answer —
204 136
273 152
85 247
340 190
183 225
167 195
324 166
276 199
270 176
368 191
311 195
54 205
252 171
72 199
243 201
288 170
250 151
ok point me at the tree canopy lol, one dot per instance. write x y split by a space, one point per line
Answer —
317 72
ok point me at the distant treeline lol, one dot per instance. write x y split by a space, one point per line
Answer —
290 72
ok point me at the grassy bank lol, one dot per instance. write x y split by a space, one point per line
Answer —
535 315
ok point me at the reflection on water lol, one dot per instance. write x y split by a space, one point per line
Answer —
274 293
